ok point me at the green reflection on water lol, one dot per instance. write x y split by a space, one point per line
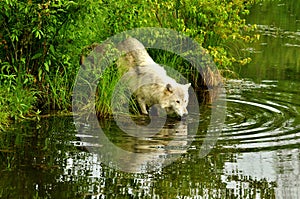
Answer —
43 162
276 55
34 164
46 165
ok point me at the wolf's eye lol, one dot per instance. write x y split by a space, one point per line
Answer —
178 102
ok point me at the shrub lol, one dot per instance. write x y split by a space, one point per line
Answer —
213 23
37 53
41 41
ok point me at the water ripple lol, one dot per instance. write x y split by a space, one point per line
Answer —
261 116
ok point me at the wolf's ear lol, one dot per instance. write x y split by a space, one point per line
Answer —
169 88
188 85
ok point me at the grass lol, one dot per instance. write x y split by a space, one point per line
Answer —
15 103
105 89
177 67
109 87
57 92
18 101
108 84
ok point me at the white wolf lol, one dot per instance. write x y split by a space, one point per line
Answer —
149 81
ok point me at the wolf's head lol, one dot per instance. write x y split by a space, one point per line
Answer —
176 99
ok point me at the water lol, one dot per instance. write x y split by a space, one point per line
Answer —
263 116
256 155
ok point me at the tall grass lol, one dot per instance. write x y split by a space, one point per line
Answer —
105 89
176 66
41 45
109 87
57 90
17 100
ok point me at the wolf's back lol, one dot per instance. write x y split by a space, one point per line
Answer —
133 54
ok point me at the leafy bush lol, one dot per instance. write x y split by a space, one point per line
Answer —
37 53
41 41
212 23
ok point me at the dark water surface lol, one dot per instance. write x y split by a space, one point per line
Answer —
257 154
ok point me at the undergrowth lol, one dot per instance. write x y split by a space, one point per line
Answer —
41 44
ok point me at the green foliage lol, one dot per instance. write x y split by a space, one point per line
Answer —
29 34
41 41
15 100
37 54
105 89
218 25
213 23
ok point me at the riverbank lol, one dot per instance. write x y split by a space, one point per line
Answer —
41 44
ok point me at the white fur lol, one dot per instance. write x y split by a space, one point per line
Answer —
150 83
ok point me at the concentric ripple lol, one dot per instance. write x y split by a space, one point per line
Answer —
261 116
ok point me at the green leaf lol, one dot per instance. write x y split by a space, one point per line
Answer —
36 56
52 49
40 74
46 66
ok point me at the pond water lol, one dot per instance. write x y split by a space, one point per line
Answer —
257 154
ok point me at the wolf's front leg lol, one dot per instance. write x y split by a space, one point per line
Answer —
142 105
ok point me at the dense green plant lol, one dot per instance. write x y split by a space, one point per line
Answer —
213 23
41 41
218 25
15 101
38 55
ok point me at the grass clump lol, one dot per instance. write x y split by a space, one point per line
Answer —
41 44
16 101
